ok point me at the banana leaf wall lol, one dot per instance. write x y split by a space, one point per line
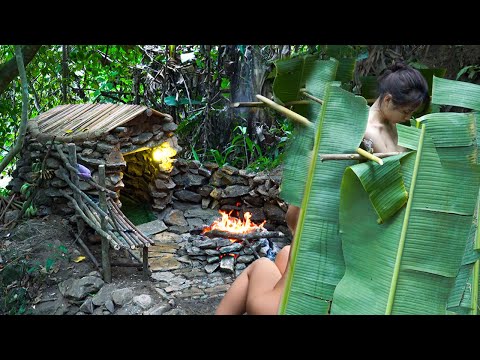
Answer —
316 253
395 259
421 260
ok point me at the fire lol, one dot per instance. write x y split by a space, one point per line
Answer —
234 225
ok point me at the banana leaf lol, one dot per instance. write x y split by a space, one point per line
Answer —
463 298
429 73
456 93
369 86
408 264
293 74
454 135
316 262
464 295
347 57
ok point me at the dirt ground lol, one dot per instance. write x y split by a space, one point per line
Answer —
42 253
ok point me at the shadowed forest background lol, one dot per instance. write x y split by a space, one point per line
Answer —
196 84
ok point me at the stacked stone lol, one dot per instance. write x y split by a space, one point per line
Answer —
223 254
229 189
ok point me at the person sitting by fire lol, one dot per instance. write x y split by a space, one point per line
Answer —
258 290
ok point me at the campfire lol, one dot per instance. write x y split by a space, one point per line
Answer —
231 243
232 225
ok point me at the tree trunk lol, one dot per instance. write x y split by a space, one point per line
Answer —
9 70
64 73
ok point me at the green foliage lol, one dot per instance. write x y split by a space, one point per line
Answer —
471 70
4 192
14 297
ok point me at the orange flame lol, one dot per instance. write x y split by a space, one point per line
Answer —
234 225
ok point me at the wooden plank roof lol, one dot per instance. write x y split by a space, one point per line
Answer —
71 120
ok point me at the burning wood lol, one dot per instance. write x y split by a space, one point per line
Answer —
248 236
234 225
235 229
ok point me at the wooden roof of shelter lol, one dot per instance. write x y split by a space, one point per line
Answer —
79 122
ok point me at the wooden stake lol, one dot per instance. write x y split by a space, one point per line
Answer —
107 270
145 263
287 112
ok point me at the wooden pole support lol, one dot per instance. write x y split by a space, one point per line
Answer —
107 270
145 263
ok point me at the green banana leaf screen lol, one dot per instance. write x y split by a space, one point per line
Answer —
316 254
393 239
311 73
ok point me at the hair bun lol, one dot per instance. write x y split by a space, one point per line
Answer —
397 66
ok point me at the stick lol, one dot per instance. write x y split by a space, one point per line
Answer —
110 193
82 195
87 252
248 236
62 156
72 154
306 94
90 222
369 156
6 207
127 220
326 157
287 112
137 239
125 264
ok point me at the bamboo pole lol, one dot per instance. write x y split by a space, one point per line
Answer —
326 157
262 104
107 270
369 156
287 112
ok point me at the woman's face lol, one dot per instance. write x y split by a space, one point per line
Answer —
396 114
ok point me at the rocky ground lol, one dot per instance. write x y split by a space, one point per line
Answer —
44 271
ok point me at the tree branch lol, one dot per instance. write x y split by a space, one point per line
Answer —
23 125
9 69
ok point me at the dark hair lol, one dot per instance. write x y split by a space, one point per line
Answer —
406 85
